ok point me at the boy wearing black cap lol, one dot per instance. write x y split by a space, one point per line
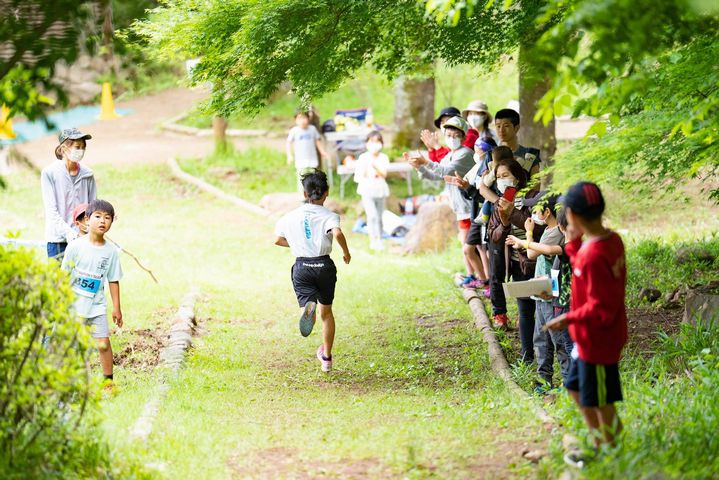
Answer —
597 318
64 186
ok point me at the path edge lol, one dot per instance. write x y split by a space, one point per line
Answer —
497 360
180 174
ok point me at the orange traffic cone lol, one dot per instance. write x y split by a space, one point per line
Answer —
107 105
6 131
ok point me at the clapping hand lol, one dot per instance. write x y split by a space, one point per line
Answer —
457 181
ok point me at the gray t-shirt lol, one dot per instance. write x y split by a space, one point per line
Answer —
90 266
304 146
552 237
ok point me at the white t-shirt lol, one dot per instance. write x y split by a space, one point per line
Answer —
369 182
304 146
90 266
308 230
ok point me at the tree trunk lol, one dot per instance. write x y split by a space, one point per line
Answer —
413 109
532 86
108 32
219 128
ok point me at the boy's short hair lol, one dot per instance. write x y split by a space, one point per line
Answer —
502 152
302 111
376 135
544 200
585 199
98 205
315 184
562 216
507 113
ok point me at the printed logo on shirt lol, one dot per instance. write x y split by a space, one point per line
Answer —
577 272
308 231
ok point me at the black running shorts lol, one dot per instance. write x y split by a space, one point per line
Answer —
314 280
598 385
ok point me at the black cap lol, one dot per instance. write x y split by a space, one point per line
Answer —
545 199
447 112
585 199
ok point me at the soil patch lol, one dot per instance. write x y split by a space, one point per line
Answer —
646 323
142 351
287 463
505 454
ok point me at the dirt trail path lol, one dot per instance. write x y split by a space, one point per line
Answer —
135 138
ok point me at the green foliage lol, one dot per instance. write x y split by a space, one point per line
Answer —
249 49
656 89
670 414
46 390
653 264
36 35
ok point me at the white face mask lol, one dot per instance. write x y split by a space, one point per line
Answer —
374 147
76 154
477 158
453 143
476 119
537 220
503 183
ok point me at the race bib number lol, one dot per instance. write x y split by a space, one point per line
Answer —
87 285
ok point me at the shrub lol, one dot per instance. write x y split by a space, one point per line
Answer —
46 390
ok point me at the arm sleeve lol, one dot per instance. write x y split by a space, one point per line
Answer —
68 258
332 222
280 227
291 135
602 303
92 190
462 164
437 155
471 138
51 211
114 271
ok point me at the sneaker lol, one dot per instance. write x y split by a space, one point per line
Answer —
468 279
307 319
487 292
575 458
474 284
326 364
501 321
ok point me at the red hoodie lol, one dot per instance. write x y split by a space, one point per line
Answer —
597 317
469 140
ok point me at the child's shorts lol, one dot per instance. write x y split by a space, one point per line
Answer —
476 233
314 279
598 385
99 326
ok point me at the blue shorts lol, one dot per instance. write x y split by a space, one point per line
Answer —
598 385
56 250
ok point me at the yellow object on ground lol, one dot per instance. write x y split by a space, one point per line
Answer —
6 131
107 105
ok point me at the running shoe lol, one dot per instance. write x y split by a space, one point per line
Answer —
326 364
474 284
307 319
487 292
468 279
575 458
501 320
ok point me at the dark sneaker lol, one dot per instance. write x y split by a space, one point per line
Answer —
307 319
575 458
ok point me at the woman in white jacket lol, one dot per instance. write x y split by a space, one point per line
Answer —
66 183
370 174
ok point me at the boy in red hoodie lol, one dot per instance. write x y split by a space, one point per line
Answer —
597 319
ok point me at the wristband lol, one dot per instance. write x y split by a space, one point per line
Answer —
527 247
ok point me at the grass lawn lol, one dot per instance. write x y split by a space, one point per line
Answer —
411 396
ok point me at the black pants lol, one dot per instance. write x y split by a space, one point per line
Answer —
498 270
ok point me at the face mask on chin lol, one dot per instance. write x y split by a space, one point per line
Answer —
374 147
76 154
476 119
453 143
504 183
537 219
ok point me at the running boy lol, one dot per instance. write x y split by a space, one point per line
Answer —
597 317
308 232
303 143
92 261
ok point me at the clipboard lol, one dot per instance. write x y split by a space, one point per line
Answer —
527 288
